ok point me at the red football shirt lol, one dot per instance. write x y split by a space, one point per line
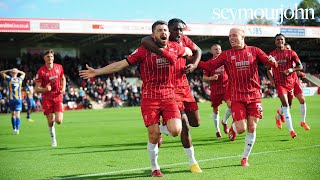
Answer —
242 69
218 86
286 59
52 76
179 76
156 71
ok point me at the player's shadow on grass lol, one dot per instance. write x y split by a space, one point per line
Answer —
168 143
111 176
125 175
279 137
142 146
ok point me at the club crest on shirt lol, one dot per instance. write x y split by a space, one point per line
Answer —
249 54
233 57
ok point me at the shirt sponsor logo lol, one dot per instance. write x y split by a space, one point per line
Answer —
282 61
162 62
243 65
53 78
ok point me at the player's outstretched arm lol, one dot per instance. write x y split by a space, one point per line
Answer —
265 59
212 65
111 68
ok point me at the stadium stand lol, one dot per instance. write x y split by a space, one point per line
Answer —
21 48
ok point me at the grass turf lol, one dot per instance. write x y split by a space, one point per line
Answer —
111 144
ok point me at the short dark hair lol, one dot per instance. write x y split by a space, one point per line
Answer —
46 52
159 22
175 20
287 44
215 45
279 35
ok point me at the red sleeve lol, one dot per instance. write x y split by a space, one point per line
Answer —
188 42
136 56
294 56
263 57
180 50
211 65
172 51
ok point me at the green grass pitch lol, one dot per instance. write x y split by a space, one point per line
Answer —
111 144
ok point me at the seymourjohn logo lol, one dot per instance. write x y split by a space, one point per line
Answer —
261 13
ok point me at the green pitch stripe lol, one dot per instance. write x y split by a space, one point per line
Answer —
177 164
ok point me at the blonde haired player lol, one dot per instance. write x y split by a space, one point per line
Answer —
241 65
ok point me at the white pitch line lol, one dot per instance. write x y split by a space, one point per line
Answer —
177 164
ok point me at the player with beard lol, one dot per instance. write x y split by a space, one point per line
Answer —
157 87
187 104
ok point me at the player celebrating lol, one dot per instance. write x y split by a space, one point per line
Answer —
51 82
287 85
241 64
187 104
219 91
157 88
15 99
